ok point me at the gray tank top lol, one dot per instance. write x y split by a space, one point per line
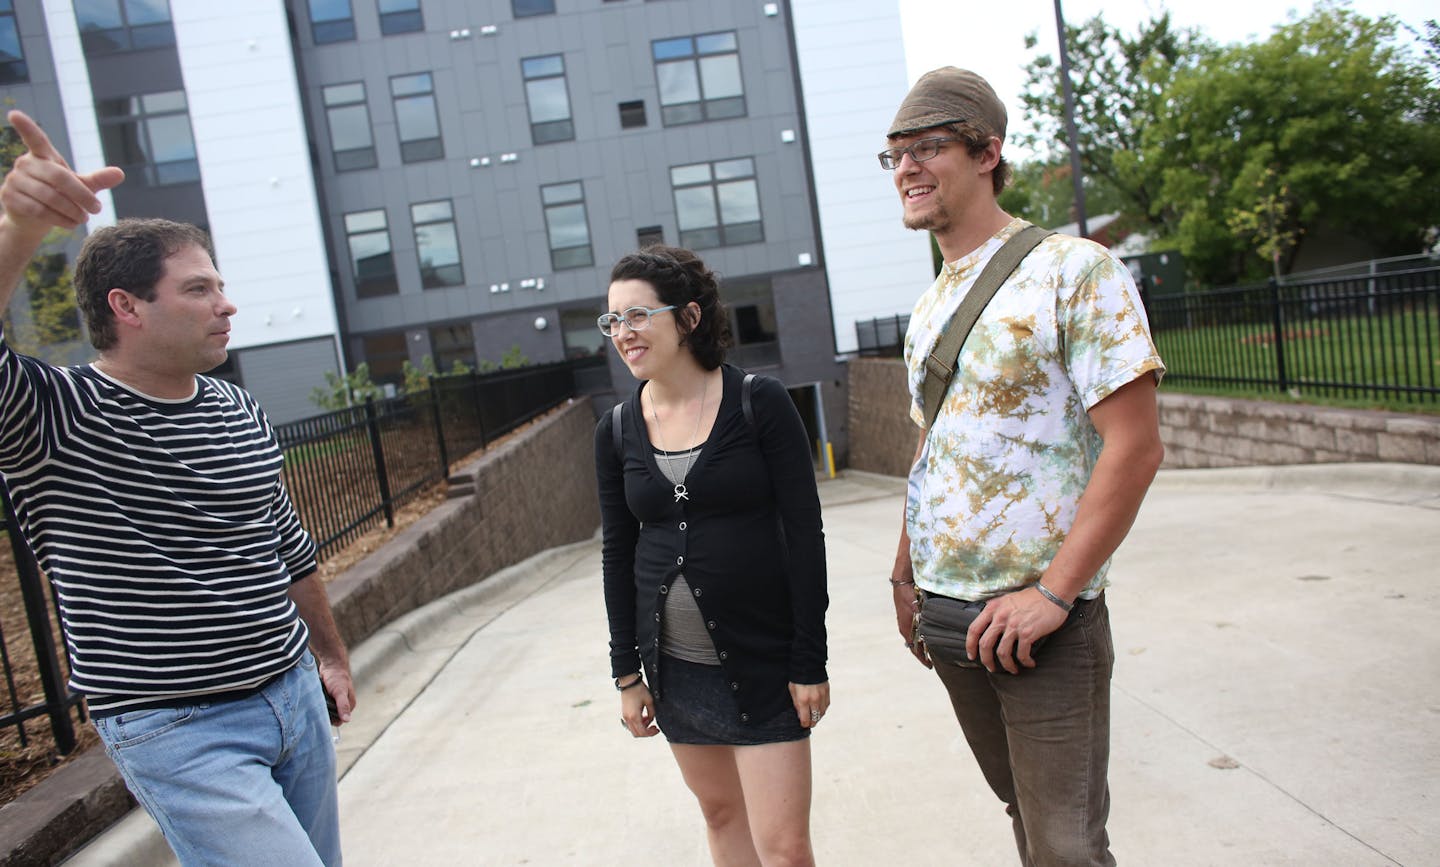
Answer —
683 634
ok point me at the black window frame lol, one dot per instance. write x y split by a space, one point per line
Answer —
721 233
124 36
382 282
632 114
441 276
350 159
558 129
704 109
396 21
531 8
150 172
418 150
331 30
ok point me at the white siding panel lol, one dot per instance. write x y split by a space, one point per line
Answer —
255 169
852 71
73 76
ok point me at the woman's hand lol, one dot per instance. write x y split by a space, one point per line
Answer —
637 712
811 700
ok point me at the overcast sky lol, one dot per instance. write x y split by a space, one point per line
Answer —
989 38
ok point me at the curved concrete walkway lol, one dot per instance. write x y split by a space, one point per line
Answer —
1274 700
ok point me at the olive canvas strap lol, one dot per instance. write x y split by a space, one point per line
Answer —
940 366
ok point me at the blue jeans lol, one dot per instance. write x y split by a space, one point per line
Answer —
250 781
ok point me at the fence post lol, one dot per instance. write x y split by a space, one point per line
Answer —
1279 328
37 613
372 425
440 432
479 408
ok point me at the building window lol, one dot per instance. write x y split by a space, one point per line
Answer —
527 8
649 236
450 344
107 26
577 329
416 118
386 354
149 137
12 57
699 78
437 244
632 114
372 264
549 102
349 120
717 204
752 322
565 221
331 21
400 16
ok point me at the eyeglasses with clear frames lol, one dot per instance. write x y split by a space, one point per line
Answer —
919 151
635 318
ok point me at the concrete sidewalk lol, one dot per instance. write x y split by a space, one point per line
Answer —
1274 700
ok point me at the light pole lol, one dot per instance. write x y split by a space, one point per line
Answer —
1075 175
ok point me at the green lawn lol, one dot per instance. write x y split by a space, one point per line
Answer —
1327 361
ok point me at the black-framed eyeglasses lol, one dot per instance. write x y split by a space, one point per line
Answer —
919 151
635 318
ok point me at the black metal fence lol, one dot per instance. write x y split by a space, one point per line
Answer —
1367 336
883 336
1370 337
347 473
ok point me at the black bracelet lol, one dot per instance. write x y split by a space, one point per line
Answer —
639 679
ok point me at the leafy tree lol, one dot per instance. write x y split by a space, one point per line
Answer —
348 390
1119 85
1325 125
1043 193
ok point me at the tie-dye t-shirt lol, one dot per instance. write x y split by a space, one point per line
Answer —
1003 468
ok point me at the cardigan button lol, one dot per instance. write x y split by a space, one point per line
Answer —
683 525
664 588
744 717
711 624
734 687
724 655
680 561
657 616
697 591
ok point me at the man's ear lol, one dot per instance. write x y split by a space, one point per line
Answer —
991 157
124 306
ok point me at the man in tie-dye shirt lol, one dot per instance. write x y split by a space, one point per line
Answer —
1028 479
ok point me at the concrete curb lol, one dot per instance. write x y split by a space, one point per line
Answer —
1404 484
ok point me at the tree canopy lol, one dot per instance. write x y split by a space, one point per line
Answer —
1236 155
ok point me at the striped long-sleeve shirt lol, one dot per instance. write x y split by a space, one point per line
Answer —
164 526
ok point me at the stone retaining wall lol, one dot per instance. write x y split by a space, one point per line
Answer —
1197 431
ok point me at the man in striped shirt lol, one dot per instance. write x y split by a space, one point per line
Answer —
153 499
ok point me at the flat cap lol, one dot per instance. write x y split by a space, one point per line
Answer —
950 95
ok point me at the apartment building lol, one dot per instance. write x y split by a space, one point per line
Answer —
387 180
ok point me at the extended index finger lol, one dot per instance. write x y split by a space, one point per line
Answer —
35 139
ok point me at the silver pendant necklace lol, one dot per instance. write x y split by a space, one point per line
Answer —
681 492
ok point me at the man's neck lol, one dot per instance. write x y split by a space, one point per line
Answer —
967 235
146 379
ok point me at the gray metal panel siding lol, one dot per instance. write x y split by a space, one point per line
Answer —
281 376
625 173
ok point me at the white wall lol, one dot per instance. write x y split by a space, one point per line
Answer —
852 71
73 77
255 169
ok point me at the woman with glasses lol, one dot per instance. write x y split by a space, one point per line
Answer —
714 561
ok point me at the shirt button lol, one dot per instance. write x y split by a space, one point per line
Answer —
711 624
683 525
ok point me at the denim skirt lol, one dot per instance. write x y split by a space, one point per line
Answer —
698 708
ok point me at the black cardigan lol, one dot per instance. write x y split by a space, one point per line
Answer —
748 540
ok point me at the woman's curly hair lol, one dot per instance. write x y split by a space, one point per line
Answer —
680 277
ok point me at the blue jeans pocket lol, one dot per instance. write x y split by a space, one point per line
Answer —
132 728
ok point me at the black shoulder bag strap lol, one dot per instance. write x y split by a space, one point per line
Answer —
940 366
